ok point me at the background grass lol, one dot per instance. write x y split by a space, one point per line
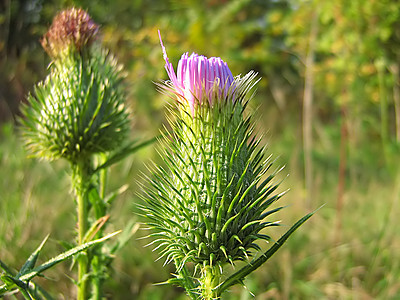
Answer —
363 263
348 253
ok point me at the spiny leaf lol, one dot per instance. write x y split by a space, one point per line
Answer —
113 195
31 261
238 276
96 226
12 283
59 258
6 269
130 229
124 152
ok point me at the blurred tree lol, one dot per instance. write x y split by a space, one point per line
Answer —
21 60
356 69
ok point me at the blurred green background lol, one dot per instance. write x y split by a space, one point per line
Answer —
328 105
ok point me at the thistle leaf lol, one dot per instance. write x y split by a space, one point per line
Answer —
238 276
6 269
21 281
31 261
124 152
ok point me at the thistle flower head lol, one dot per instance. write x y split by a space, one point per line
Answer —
71 30
200 79
208 205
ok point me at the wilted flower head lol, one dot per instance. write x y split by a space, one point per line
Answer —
72 29
199 78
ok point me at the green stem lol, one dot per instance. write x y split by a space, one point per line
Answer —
102 177
209 283
97 263
97 278
81 182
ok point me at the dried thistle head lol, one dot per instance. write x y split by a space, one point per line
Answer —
71 30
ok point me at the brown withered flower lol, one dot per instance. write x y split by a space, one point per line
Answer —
71 30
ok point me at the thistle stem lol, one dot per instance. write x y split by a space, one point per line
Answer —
97 263
210 281
102 177
97 278
80 182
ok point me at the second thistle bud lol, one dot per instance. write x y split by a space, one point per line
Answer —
79 109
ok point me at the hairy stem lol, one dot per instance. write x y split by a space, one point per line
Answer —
98 263
81 182
209 282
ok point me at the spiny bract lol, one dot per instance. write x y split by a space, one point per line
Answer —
78 110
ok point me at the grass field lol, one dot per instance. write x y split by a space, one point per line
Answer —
354 254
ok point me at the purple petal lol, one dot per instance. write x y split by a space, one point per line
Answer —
199 78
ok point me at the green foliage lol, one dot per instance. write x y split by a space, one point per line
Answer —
21 281
239 276
123 152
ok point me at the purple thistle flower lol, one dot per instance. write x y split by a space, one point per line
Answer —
199 78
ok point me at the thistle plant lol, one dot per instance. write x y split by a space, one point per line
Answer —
210 205
78 113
